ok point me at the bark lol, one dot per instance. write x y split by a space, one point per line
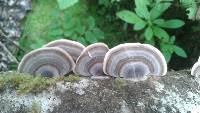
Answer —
175 92
11 14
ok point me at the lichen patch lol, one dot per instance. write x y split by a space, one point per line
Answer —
124 107
184 104
159 87
11 100
78 87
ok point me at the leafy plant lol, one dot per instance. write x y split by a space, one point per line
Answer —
153 26
169 48
63 4
191 8
107 2
69 27
40 26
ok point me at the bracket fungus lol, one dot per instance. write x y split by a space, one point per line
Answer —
72 47
134 61
48 62
195 71
90 62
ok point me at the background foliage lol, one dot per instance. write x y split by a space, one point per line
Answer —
170 25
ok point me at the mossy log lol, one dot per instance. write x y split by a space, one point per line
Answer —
175 92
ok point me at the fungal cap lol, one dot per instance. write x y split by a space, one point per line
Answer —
195 71
162 58
72 47
90 61
112 50
51 61
134 52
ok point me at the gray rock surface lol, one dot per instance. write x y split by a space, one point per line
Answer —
177 92
11 13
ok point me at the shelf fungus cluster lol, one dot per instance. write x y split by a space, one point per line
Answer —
133 61
195 71
56 58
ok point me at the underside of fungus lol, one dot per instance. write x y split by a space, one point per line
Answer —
48 62
90 62
72 47
195 71
134 61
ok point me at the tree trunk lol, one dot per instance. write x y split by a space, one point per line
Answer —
175 92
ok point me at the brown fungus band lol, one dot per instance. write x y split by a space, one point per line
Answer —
72 47
48 62
90 62
134 61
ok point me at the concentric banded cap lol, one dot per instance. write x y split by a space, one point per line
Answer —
134 61
90 62
72 47
50 62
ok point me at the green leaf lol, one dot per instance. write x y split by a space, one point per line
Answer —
54 26
104 2
179 51
148 33
55 13
142 12
140 3
37 44
192 11
74 36
160 33
63 4
141 9
91 22
98 33
191 7
70 24
167 50
80 29
139 26
152 42
167 47
167 55
82 41
158 10
90 37
69 33
159 21
173 23
56 32
172 39
129 17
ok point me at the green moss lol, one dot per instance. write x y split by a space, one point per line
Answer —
72 78
35 107
2 82
24 83
119 83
